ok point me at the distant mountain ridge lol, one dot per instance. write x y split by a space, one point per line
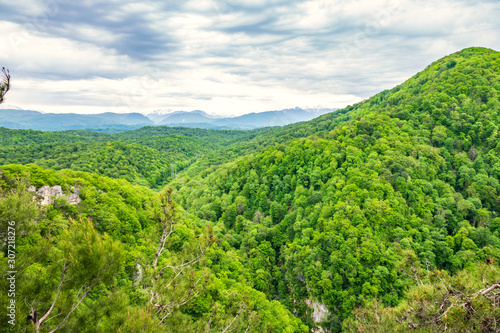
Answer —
253 120
26 119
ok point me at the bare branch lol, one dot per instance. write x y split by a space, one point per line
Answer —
192 261
487 290
57 315
165 296
40 321
85 291
163 318
231 323
4 84
175 277
168 226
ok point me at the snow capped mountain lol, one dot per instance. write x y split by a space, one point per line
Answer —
198 118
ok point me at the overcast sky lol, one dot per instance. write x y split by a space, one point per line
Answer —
227 56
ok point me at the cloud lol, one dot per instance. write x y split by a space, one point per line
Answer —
227 56
27 54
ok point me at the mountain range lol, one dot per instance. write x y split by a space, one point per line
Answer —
26 119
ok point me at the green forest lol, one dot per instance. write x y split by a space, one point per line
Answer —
383 216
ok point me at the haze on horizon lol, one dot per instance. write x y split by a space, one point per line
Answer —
227 57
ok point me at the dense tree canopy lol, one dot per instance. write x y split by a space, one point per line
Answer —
146 156
100 251
327 216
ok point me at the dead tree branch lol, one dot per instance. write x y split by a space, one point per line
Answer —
62 280
4 84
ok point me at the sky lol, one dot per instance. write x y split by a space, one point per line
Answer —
227 57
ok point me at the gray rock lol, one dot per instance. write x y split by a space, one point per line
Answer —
48 194
320 313
138 275
73 199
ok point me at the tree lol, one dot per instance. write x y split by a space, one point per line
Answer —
440 302
4 84
86 260
59 273
174 281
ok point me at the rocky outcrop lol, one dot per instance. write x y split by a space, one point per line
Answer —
320 313
138 275
48 194
74 198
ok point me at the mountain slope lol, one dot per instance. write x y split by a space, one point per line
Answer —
22 137
97 255
144 156
130 119
133 162
185 118
330 216
269 118
360 208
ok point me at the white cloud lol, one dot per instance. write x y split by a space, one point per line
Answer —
33 54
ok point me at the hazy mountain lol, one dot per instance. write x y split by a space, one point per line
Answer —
157 115
125 118
202 119
269 118
183 117
24 119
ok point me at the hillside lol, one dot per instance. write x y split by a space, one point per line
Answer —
96 257
200 119
144 156
382 216
330 216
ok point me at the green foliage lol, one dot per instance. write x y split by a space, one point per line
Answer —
57 272
16 204
114 205
464 302
132 162
28 137
413 168
78 258
144 156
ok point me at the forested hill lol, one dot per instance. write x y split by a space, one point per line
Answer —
144 156
441 88
336 209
